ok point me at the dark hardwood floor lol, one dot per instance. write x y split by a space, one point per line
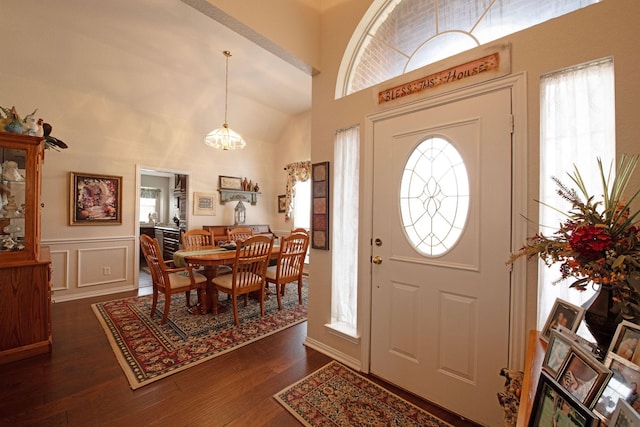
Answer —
81 384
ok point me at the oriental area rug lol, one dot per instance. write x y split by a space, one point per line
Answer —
148 351
335 395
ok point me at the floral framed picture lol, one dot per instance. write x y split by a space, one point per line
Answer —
625 341
95 199
624 415
622 385
553 405
563 313
204 203
582 375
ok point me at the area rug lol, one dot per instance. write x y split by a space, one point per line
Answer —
335 395
148 351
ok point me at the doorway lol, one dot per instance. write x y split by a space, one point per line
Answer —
161 197
440 290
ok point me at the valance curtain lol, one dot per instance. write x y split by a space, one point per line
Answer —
296 172
149 193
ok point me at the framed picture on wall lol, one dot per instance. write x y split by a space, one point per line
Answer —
204 203
230 183
95 199
320 205
282 203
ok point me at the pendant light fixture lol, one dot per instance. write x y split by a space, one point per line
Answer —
225 138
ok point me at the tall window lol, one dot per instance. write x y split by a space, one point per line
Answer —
397 36
346 185
577 126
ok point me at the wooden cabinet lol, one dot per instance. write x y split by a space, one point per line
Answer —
25 268
169 240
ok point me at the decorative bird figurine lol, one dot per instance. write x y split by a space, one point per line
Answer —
32 126
13 124
50 141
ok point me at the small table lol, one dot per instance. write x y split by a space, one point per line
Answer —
210 257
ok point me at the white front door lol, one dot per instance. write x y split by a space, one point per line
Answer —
441 236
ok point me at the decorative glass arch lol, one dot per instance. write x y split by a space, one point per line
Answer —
398 36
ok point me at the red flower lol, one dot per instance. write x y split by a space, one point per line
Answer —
590 241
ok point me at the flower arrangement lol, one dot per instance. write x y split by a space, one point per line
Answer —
599 242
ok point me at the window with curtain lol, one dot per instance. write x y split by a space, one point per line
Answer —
302 205
149 204
296 172
577 126
345 207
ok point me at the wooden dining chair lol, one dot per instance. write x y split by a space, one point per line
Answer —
195 238
248 275
290 264
167 279
239 233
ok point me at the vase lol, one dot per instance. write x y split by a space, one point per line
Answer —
602 316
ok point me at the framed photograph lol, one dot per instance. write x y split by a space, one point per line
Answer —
557 352
563 313
204 203
582 375
622 385
320 205
282 203
553 406
625 341
624 416
95 199
230 183
590 347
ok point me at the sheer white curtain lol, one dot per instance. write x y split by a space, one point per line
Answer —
344 283
577 126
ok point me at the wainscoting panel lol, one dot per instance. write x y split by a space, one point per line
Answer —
94 266
102 265
60 267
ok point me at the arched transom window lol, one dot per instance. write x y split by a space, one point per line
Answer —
397 36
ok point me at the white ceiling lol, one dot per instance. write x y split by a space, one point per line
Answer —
155 56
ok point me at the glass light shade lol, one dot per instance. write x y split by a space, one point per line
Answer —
225 138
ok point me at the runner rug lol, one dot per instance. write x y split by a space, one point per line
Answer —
148 351
335 395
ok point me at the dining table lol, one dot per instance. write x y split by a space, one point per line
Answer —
210 257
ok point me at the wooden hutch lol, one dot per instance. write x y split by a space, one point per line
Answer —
25 267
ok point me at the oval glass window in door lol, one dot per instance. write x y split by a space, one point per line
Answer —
434 196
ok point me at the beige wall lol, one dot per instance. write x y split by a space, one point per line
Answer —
118 111
605 29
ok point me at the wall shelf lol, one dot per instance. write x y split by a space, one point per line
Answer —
237 196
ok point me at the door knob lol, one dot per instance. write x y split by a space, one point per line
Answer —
377 260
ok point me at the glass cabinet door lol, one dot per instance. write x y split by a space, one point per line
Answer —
13 195
20 164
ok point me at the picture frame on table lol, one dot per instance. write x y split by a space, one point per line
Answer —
563 313
282 203
625 341
622 385
229 183
624 416
95 199
583 376
558 349
204 204
553 405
